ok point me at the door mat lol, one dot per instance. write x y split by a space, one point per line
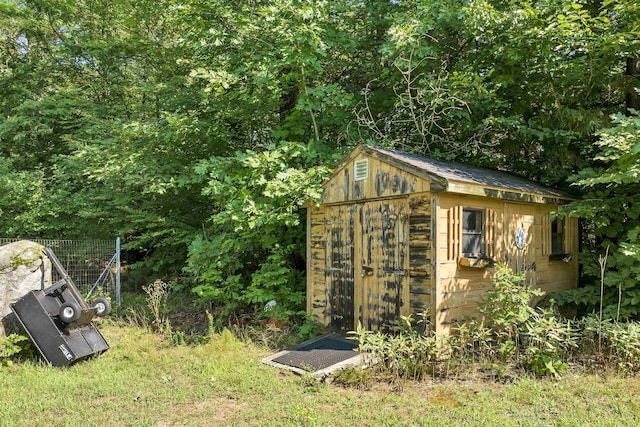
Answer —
319 356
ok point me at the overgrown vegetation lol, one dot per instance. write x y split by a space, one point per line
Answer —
143 380
171 375
179 318
612 207
196 131
10 346
509 335
252 251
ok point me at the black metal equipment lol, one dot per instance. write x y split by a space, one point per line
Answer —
58 320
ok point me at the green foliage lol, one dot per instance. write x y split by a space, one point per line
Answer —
521 85
540 341
473 341
612 206
406 354
22 199
9 347
543 363
308 329
618 343
507 306
108 112
252 249
548 342
354 377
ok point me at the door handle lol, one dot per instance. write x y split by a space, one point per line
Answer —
366 271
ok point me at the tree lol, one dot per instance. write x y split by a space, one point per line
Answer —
612 207
522 86
252 249
152 120
112 107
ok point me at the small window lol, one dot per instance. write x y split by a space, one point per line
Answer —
361 168
557 236
472 233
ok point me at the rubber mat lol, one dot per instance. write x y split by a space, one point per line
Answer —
318 354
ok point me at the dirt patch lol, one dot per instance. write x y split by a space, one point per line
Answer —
216 411
444 398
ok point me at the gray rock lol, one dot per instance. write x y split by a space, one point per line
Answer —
23 267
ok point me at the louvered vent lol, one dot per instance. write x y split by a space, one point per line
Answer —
361 169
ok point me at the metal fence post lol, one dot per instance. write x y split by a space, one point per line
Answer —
118 270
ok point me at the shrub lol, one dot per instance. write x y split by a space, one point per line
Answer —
611 209
10 347
355 377
507 307
251 250
617 343
407 354
474 341
548 342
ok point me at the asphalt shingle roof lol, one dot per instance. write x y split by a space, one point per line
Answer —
469 174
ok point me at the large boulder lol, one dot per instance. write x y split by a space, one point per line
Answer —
23 267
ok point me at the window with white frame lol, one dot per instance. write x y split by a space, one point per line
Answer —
472 233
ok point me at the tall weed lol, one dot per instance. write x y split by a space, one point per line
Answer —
157 293
407 354
507 307
548 343
616 343
474 341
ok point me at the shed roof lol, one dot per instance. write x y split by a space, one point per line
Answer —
462 173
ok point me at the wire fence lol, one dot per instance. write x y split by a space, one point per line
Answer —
93 265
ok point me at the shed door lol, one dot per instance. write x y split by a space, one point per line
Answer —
367 264
382 292
340 273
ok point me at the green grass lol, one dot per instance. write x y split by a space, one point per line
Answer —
142 381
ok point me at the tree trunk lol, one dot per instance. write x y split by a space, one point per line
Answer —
290 93
632 73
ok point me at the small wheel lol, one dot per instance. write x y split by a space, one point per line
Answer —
69 312
102 307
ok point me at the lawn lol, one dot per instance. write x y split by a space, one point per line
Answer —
143 381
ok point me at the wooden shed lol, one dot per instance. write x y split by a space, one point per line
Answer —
398 233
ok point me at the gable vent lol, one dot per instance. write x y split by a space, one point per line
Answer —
361 168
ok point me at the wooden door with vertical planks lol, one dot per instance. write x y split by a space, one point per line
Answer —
340 272
382 263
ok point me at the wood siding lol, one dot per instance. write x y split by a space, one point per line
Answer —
370 251
389 244
421 287
459 289
359 264
340 273
384 180
316 264
383 293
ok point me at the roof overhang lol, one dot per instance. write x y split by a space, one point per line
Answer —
451 185
506 194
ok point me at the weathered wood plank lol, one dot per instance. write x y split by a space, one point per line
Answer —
384 179
459 288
